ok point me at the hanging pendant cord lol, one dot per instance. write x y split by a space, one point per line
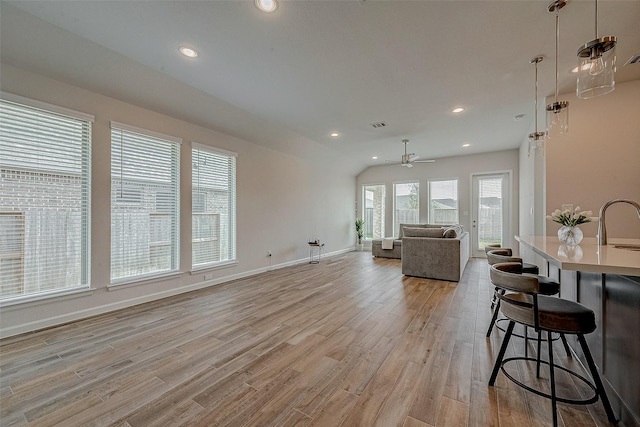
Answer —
557 44
596 19
536 98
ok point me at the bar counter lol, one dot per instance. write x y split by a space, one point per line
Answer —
607 280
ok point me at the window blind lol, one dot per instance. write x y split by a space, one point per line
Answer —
45 196
213 206
145 196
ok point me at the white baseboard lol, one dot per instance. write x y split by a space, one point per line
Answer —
95 311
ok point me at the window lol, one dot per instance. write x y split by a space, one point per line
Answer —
406 205
45 157
213 208
443 202
144 203
373 196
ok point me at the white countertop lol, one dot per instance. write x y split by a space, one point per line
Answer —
587 256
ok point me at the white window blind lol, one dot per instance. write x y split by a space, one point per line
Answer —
443 202
145 198
45 189
213 183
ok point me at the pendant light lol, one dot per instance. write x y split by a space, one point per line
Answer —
558 111
536 139
596 65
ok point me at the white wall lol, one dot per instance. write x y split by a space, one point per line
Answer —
598 160
460 167
281 201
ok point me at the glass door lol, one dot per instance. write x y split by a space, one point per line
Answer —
490 211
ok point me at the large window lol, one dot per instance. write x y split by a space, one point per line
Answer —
373 196
45 154
406 209
144 203
213 183
443 201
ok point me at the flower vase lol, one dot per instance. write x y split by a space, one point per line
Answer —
570 236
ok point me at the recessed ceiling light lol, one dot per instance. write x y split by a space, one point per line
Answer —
458 110
375 157
188 52
466 145
266 5
334 134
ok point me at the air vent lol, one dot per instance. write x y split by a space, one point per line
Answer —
635 59
379 125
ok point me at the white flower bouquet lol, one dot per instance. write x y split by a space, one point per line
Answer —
569 218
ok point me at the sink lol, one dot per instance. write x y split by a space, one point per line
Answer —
628 247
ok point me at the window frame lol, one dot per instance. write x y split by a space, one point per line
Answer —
430 218
396 231
231 225
173 145
76 166
364 209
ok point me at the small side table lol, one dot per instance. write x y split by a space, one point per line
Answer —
315 252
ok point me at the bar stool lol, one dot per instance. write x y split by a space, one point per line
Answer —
547 286
527 268
523 304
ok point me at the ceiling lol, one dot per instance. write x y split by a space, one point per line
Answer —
288 79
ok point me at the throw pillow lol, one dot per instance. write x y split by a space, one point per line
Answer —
452 232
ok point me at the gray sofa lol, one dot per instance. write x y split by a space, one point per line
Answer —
442 258
396 252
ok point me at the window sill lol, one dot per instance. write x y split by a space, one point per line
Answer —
216 266
144 281
45 298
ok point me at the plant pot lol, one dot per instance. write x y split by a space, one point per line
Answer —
359 247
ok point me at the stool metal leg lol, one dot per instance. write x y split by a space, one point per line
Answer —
596 379
552 381
538 354
496 311
566 346
503 350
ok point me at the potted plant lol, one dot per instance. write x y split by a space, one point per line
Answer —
360 233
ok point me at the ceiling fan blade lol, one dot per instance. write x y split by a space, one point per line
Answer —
413 157
424 161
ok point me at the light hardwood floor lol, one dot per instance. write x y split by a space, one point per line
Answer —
347 342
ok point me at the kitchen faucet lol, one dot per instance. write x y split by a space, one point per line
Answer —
602 228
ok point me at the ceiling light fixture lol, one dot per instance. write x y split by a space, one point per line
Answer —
466 145
596 65
457 110
536 139
188 52
558 111
375 157
267 5
334 134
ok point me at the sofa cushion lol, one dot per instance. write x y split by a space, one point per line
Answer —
402 227
422 232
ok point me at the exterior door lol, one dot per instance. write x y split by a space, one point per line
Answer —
490 221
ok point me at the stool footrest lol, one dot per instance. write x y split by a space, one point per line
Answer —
588 382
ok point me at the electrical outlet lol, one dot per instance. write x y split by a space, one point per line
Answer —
208 276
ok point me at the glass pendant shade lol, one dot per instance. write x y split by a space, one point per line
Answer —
596 68
557 118
536 139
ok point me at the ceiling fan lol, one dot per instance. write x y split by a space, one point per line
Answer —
408 159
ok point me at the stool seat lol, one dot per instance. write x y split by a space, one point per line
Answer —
554 314
530 268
